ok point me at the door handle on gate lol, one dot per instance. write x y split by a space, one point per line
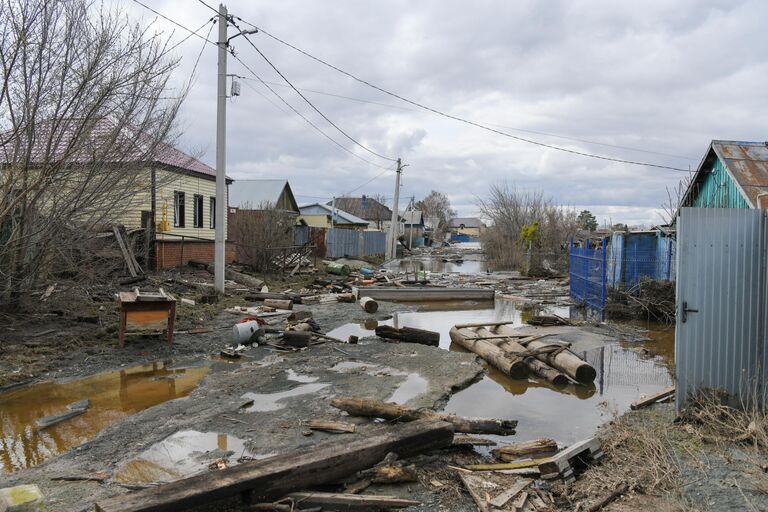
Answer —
687 310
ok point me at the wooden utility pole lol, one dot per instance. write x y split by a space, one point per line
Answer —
393 225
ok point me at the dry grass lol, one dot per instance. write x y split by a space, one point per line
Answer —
640 454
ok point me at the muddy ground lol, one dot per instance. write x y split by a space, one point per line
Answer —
371 369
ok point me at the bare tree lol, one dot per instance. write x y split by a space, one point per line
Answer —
675 196
523 221
437 211
84 110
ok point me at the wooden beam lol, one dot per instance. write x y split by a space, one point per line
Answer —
350 501
652 399
281 474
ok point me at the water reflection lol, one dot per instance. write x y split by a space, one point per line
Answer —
462 264
113 396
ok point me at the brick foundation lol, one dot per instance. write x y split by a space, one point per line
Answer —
169 254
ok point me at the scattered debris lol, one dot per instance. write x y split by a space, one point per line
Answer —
369 305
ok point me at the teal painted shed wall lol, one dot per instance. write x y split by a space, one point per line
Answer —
718 190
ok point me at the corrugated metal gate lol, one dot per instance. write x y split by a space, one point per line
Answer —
722 305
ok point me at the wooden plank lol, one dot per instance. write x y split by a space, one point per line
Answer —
126 241
349 501
502 499
124 250
507 465
469 482
652 399
276 476
332 426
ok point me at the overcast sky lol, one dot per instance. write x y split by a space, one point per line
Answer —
661 76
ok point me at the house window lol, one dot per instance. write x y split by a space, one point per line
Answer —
197 212
212 212
178 209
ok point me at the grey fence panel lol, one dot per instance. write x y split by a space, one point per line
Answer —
343 242
374 243
720 334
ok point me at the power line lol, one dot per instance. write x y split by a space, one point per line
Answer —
345 134
305 118
371 180
466 121
547 134
209 6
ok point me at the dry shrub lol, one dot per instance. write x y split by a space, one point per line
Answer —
648 299
261 235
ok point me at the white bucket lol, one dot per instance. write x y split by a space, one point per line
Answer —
243 332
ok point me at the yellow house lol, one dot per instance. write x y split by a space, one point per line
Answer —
180 208
320 215
469 226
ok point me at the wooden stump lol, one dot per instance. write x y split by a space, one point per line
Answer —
409 335
369 305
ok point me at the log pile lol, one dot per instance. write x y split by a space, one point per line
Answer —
519 355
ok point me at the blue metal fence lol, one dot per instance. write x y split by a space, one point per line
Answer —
623 260
587 268
374 243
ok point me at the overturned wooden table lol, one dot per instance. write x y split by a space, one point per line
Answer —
143 310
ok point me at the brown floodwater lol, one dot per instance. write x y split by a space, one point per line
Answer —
625 371
113 396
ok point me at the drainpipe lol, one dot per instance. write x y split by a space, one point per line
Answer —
759 202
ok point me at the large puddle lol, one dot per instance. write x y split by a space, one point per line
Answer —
624 372
113 396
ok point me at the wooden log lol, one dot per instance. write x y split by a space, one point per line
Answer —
346 297
394 474
652 399
495 356
409 335
336 501
275 476
338 427
513 349
369 305
535 448
563 360
298 339
394 412
278 304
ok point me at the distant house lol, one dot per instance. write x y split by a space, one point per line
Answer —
257 194
378 216
732 174
413 222
323 216
466 226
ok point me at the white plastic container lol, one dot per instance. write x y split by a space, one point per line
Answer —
243 332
